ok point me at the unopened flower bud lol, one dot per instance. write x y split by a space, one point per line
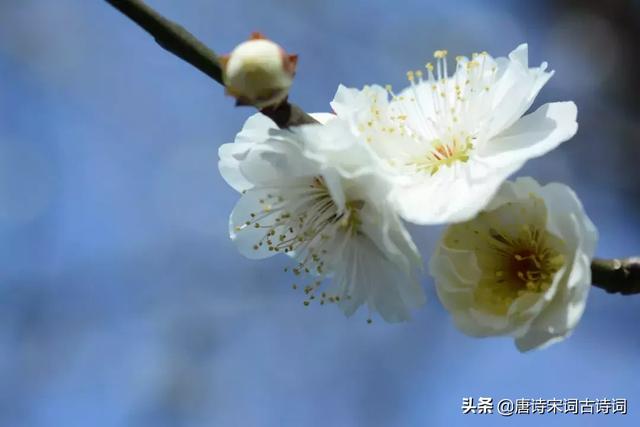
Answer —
259 72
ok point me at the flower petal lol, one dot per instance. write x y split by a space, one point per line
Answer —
249 239
514 91
368 276
231 155
255 130
453 194
561 315
349 101
534 134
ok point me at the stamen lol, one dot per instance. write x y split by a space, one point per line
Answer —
448 113
304 220
440 54
444 154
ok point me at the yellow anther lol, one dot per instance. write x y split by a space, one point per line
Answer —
439 54
429 66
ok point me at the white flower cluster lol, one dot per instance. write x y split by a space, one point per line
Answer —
516 258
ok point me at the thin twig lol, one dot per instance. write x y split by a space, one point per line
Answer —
617 275
177 40
613 275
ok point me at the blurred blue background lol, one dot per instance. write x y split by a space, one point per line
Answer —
122 300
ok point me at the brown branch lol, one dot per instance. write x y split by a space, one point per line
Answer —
612 275
177 40
617 275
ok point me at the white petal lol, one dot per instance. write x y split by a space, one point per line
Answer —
246 237
372 278
453 285
534 134
511 190
346 100
248 160
515 90
333 181
567 220
334 144
456 275
255 129
388 233
231 155
566 214
349 101
262 207
451 195
561 316
521 55
323 118
276 161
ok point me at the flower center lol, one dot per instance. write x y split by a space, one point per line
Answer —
528 262
439 112
522 263
456 149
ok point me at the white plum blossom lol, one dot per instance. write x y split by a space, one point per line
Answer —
316 193
521 268
452 140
